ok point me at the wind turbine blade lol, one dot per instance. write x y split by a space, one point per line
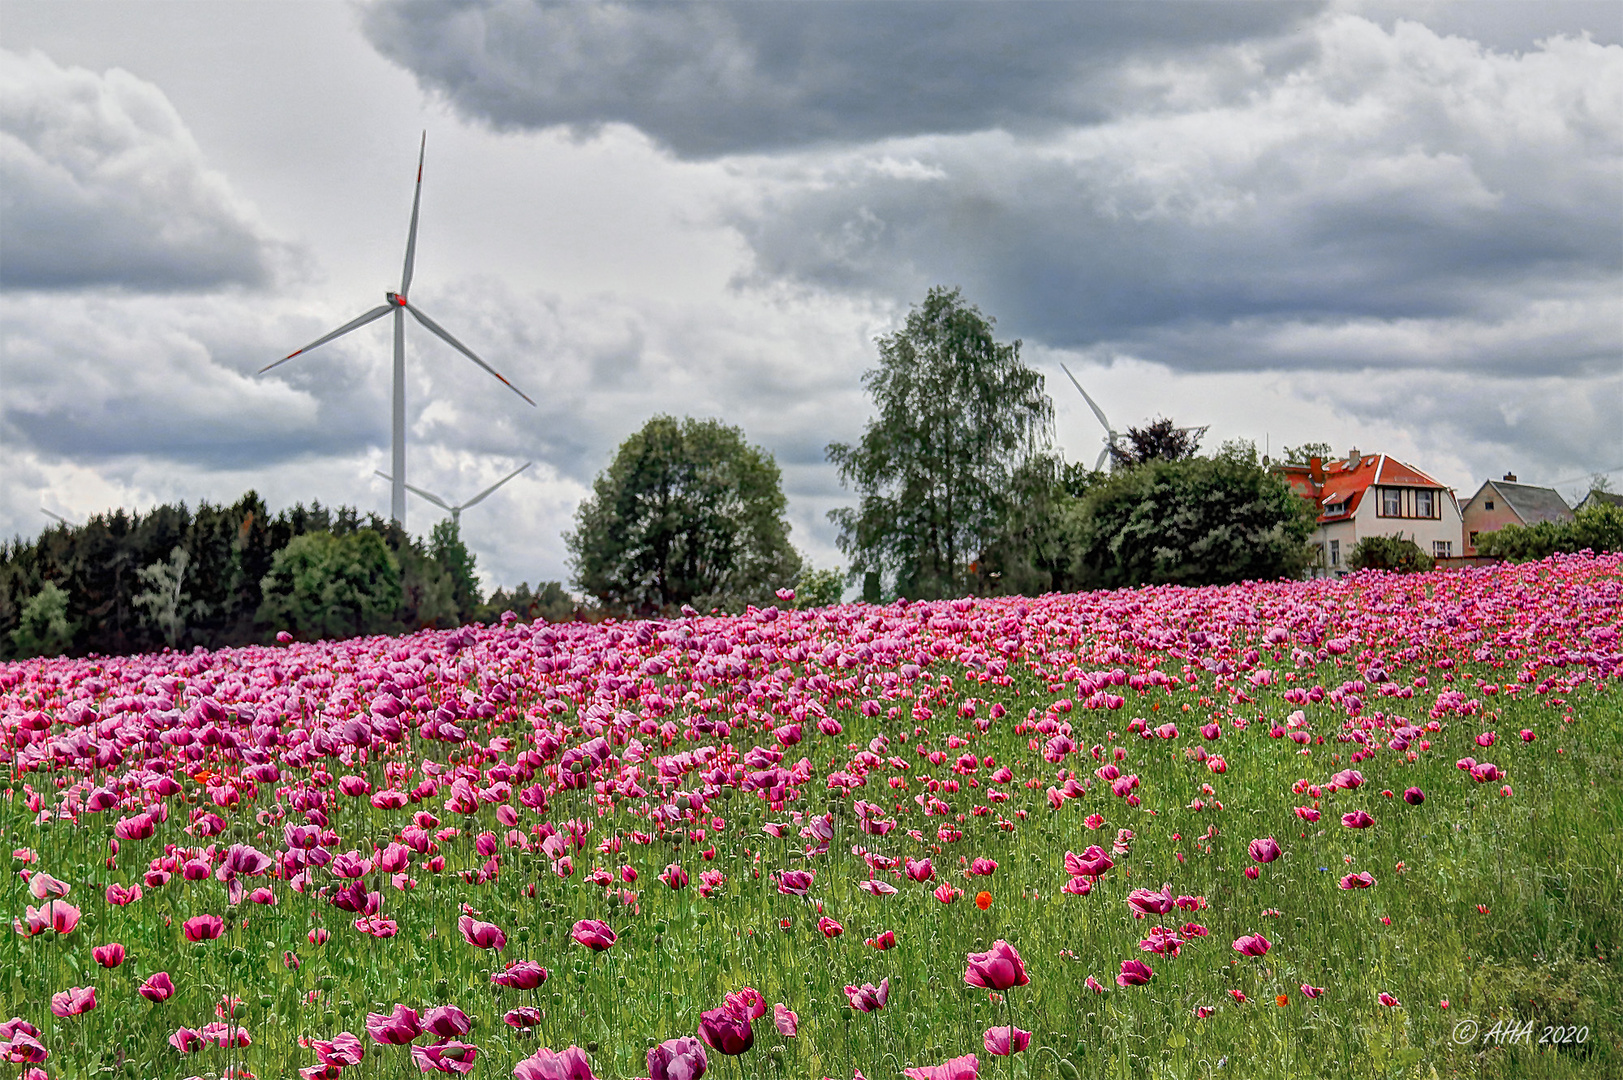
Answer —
496 485
431 497
375 313
411 237
440 332
1094 405
381 475
1100 464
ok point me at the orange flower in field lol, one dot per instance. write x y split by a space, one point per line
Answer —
983 900
1282 1000
1482 909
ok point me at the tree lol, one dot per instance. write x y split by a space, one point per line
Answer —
1200 521
1398 554
325 586
445 547
1159 440
819 588
549 603
164 597
1594 528
686 513
958 415
44 629
1304 454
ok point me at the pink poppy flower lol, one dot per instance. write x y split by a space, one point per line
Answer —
1134 973
678 1059
1094 984
726 1032
877 888
1414 796
108 956
746 1002
158 987
42 886
342 1050
1252 945
998 968
1265 850
1358 881
674 876
1005 1041
55 915
544 1064
1146 902
884 941
481 935
446 1022
983 867
829 928
203 927
522 1018
788 1024
1388 1000
1309 991
1201 1012
119 896
395 1029
187 1041
1358 819
966 1067
520 975
593 934
446 1057
73 1001
795 882
947 893
868 997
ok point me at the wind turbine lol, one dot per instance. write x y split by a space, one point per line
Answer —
1112 436
396 302
60 519
456 511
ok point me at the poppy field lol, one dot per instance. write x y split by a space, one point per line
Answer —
1268 830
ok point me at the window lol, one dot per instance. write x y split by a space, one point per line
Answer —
1423 503
1472 542
1335 553
1443 549
1487 504
1391 502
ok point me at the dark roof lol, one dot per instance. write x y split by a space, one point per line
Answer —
1595 498
1533 504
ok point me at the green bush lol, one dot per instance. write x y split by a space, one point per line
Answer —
1398 554
819 588
1595 528
44 629
326 586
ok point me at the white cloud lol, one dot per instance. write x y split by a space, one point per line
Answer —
101 184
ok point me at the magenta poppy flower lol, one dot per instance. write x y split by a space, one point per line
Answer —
593 934
947 893
787 1022
42 886
1005 1041
868 997
187 1041
1358 819
108 956
884 941
446 1057
158 987
56 915
544 1064
1134 973
998 968
520 975
1388 1000
1146 902
1309 991
446 1022
1265 850
1252 945
746 1002
1358 881
678 1059
73 1001
795 882
119 896
726 1032
920 870
481 935
674 876
1414 796
966 1067
829 928
1091 863
983 867
1094 984
203 927
342 1050
396 1029
523 1018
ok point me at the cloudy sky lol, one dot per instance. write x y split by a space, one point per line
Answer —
1397 226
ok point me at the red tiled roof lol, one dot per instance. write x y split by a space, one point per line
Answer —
1345 482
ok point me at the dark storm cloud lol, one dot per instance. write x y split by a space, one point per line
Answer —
715 79
102 185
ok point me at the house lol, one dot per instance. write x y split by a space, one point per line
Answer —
1374 495
1600 498
1505 502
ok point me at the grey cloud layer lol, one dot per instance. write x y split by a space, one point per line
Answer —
101 184
710 79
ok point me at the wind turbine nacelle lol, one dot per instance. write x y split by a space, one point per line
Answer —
395 299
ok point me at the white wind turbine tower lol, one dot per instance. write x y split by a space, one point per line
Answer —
396 303
1112 436
456 511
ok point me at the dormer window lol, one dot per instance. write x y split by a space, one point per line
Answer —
1423 502
1391 502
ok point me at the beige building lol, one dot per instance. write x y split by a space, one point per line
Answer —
1375 495
1505 502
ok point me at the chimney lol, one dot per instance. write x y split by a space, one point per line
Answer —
1315 471
1510 478
1353 457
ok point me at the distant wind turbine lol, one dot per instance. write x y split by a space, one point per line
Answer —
456 511
58 517
396 303
1112 436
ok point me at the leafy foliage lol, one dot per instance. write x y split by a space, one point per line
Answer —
44 629
959 415
1595 528
1398 554
1304 454
686 513
325 586
1159 440
819 588
548 603
1200 521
